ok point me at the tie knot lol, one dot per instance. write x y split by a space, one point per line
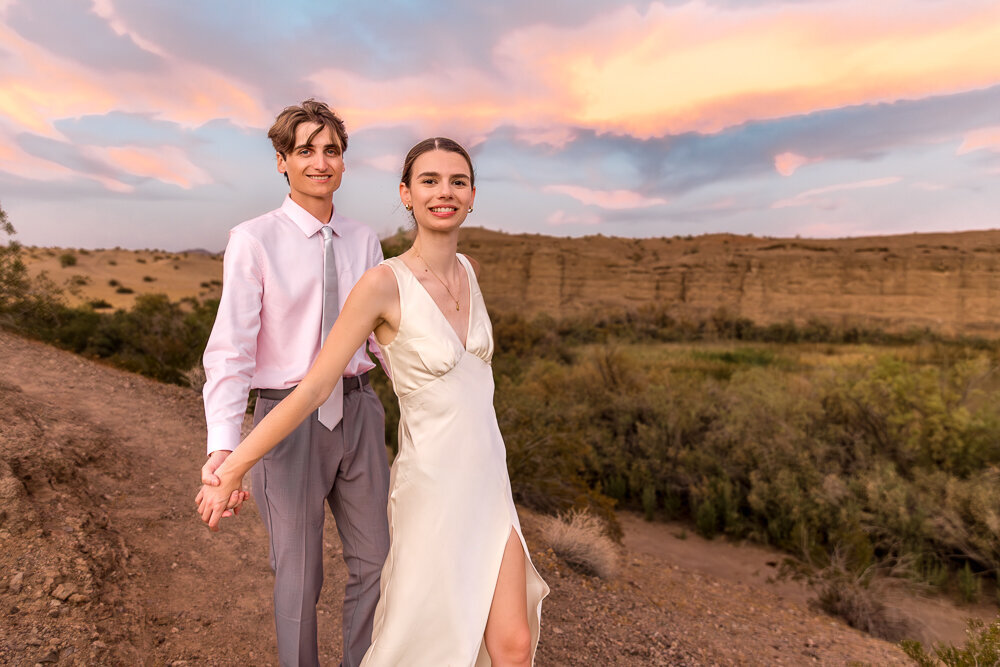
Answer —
326 232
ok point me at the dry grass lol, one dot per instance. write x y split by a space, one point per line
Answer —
178 275
857 598
579 539
195 377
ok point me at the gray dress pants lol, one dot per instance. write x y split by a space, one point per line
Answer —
346 468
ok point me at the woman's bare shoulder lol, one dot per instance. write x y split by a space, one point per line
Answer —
378 280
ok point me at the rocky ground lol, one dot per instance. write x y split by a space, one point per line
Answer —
103 560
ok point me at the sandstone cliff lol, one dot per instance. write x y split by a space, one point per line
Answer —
948 282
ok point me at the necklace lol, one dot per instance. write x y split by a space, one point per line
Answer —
443 283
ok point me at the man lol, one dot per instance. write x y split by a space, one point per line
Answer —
271 321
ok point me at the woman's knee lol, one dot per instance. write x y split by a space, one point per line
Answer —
513 646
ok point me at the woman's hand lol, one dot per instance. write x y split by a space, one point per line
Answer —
221 500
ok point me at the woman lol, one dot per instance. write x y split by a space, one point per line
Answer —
458 586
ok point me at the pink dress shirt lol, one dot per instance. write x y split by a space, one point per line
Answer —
267 332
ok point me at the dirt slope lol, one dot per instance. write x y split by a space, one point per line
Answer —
102 560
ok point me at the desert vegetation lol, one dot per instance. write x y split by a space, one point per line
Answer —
862 460
982 647
863 453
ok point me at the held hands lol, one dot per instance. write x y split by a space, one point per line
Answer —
220 496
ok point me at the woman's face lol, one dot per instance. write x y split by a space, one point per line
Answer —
440 190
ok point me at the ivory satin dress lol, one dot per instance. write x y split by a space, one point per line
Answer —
450 506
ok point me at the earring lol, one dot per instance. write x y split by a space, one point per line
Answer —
408 207
470 209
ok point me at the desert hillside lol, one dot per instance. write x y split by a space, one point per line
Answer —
103 560
949 283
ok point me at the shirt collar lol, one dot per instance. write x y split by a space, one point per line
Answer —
305 221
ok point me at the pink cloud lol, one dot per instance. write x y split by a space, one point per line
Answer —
787 163
608 199
187 93
814 197
557 137
984 138
164 163
390 163
927 186
703 67
561 217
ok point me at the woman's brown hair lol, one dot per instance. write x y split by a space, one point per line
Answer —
428 145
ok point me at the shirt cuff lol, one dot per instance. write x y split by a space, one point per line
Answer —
223 436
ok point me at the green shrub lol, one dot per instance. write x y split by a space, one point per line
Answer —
13 273
981 648
615 487
67 259
969 585
649 502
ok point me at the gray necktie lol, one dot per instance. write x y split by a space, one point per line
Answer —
332 409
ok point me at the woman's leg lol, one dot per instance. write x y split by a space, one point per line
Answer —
508 639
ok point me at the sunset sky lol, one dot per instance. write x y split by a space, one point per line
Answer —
142 123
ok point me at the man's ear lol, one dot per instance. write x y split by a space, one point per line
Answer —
281 163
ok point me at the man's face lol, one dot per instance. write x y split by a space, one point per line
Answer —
314 168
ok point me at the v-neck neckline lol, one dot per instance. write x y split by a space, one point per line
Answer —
468 322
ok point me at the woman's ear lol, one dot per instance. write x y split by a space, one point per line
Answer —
404 196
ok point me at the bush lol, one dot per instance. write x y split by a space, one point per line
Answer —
981 648
857 599
13 273
67 259
969 585
577 537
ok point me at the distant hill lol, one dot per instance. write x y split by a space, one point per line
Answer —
949 282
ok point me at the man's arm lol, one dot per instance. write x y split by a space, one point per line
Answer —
230 356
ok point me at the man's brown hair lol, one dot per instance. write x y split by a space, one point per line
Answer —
282 133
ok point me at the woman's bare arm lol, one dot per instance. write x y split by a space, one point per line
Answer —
366 307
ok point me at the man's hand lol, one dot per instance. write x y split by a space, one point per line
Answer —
215 460
209 478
